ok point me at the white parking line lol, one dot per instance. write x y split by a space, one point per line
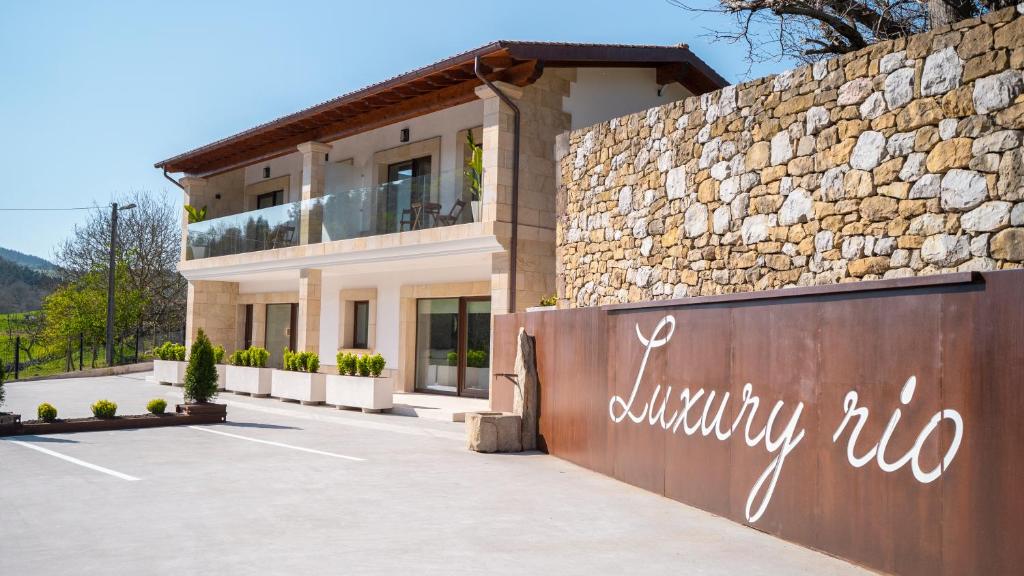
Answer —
82 463
279 444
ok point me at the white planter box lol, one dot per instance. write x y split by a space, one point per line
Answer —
541 308
478 378
249 380
370 394
302 386
169 372
221 375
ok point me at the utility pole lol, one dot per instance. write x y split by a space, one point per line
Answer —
111 269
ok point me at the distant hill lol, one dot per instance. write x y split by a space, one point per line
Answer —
22 288
29 261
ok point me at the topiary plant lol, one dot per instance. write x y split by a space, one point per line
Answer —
363 366
170 351
258 357
311 362
156 406
453 358
46 412
476 358
376 365
346 363
104 409
239 358
201 374
218 354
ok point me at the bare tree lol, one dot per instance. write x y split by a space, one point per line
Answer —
808 30
149 243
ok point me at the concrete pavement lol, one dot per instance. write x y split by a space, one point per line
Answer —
287 489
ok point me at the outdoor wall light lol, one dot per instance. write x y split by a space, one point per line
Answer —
404 135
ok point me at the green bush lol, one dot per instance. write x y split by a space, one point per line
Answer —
376 364
549 300
218 354
46 412
301 361
346 363
170 351
239 358
104 409
201 374
453 358
258 357
362 365
156 406
476 358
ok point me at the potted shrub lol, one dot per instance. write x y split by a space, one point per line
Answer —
247 372
474 173
299 379
546 303
169 364
218 362
477 369
359 383
201 380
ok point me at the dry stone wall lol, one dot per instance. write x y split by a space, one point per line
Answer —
902 159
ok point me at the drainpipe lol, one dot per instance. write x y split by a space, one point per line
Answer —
175 182
478 69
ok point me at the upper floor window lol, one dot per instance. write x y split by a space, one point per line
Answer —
275 198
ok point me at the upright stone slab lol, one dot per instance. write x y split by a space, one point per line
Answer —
524 404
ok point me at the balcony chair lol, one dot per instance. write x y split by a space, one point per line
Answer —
452 217
283 237
407 220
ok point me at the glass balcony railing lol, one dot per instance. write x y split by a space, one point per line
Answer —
410 204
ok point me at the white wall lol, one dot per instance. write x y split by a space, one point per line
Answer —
600 94
290 164
451 269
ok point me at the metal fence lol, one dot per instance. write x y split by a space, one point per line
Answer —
26 355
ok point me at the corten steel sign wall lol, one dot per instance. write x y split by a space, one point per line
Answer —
882 422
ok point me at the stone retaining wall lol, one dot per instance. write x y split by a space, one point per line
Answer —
902 159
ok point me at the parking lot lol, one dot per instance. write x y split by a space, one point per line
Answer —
288 489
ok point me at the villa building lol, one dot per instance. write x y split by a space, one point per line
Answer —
357 223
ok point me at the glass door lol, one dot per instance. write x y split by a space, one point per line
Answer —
476 318
453 341
408 186
437 345
280 332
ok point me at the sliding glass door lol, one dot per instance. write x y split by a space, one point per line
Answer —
280 332
453 341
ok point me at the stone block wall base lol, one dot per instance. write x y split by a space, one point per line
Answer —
494 432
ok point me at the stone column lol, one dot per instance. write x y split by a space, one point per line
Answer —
496 201
212 306
196 194
313 184
308 322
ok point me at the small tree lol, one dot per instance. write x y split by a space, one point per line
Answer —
201 374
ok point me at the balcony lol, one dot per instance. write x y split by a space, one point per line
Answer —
404 205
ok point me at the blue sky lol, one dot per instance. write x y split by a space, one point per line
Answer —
95 92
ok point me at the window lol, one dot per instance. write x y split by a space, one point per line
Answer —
275 198
360 324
